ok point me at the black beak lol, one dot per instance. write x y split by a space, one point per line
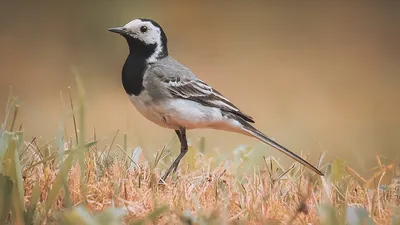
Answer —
118 30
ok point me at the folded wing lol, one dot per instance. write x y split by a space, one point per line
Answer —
198 91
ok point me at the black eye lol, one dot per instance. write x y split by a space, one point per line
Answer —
143 29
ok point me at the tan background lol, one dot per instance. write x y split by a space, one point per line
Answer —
316 76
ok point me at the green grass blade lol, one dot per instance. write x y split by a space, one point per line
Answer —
3 149
90 144
6 186
13 170
18 168
58 182
16 107
73 115
81 150
10 103
67 196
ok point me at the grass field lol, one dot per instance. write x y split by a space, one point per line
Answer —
76 180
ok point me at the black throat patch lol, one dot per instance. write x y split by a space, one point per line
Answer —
136 63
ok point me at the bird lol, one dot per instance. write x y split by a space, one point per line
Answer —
170 95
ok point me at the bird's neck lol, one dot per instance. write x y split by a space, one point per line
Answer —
132 74
139 49
139 58
151 52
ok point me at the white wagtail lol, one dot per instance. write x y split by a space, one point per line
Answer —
170 95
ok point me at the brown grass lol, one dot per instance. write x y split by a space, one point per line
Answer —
82 182
206 195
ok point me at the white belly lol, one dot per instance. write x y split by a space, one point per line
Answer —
145 106
184 113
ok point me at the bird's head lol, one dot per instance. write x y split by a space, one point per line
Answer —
145 37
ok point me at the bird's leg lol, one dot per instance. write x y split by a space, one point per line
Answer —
184 148
178 133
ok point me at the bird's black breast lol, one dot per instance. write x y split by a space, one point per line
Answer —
132 74
135 65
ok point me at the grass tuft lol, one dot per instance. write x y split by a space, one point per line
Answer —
82 182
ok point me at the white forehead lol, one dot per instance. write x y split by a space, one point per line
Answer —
137 23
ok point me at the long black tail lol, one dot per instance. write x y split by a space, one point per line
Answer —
262 137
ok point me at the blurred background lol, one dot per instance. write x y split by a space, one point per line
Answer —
316 76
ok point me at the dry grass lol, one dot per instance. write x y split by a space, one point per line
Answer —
82 182
215 196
